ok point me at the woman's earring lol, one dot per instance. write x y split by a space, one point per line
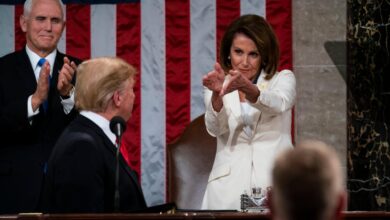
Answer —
228 57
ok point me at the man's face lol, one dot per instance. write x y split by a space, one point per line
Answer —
43 26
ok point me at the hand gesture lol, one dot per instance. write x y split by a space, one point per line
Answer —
214 79
65 77
41 93
237 81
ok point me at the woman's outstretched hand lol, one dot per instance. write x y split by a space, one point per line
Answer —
214 79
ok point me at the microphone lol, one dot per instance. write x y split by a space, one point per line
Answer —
117 126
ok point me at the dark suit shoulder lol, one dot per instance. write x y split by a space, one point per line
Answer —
13 67
76 132
81 130
11 59
77 143
11 55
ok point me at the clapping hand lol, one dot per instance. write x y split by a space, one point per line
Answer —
65 77
214 79
41 93
236 81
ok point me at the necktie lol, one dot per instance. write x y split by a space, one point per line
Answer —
41 62
45 104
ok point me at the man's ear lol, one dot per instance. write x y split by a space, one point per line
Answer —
117 98
23 23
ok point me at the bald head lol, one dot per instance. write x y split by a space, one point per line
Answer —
308 182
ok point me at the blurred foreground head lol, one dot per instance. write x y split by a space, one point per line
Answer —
308 183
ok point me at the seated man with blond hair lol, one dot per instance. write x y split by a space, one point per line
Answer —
308 183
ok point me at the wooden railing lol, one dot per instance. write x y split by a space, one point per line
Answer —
178 215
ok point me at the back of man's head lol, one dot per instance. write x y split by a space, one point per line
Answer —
308 183
97 80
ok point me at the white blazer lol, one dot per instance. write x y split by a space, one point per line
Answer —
243 161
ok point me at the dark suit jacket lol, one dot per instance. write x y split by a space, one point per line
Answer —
81 173
25 147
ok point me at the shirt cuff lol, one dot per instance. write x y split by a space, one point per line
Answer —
68 103
30 112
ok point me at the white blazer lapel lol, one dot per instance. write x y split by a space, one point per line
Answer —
231 101
262 84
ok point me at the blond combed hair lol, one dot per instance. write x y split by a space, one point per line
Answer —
97 80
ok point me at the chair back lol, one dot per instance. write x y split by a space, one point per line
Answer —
190 159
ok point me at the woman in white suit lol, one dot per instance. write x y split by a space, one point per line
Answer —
248 110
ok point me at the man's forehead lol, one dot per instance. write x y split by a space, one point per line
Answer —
46 15
46 9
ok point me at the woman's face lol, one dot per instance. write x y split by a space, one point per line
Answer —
244 56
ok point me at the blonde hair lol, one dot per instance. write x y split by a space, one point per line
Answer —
307 181
97 80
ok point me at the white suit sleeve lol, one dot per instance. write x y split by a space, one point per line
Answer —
216 122
280 94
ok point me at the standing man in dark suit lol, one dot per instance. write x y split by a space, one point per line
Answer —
81 169
36 104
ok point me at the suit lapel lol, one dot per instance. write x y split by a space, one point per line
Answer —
25 71
232 102
58 63
26 74
130 172
263 85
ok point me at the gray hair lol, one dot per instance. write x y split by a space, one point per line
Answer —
28 6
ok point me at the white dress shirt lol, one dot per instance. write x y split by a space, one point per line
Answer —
34 58
102 122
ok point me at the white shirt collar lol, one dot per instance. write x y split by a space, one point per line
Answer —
102 122
34 58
